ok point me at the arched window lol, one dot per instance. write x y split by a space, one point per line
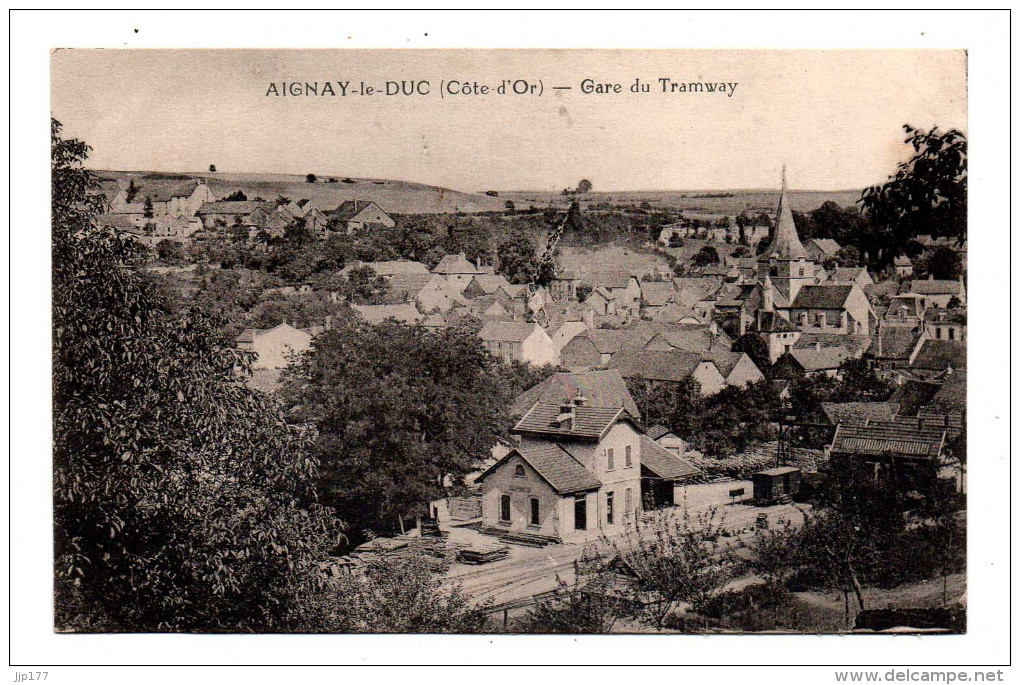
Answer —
519 471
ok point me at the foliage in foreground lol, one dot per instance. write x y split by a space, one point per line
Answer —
399 411
676 561
175 486
404 594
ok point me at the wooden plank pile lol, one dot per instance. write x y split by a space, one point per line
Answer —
432 549
482 553
515 537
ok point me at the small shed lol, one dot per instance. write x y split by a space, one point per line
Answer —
775 485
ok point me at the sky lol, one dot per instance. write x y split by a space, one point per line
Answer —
834 118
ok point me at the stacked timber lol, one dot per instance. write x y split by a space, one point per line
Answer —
482 553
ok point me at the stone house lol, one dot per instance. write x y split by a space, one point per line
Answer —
517 340
575 475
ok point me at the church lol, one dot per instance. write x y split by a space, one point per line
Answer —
793 288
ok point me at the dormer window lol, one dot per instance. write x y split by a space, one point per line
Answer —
519 471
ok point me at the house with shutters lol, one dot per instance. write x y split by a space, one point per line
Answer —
575 475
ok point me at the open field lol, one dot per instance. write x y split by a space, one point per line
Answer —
396 197
406 197
697 204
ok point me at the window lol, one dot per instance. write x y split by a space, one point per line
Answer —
504 508
580 512
628 502
519 471
609 459
534 511
609 508
820 319
627 460
951 332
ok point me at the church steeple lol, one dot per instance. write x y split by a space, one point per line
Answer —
785 244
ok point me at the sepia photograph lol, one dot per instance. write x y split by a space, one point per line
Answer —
459 350
332 356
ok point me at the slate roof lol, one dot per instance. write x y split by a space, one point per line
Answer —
822 297
507 331
934 287
883 438
724 360
952 396
490 283
564 473
913 395
772 322
693 337
602 388
349 209
663 463
455 264
611 280
657 431
827 246
938 355
657 294
855 344
859 413
847 274
894 342
819 360
404 287
611 341
232 207
674 365
785 243
588 422
165 194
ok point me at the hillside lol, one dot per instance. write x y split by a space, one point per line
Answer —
396 197
694 203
